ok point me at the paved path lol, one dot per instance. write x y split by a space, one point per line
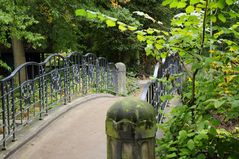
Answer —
78 134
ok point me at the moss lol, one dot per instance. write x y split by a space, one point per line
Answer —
131 118
132 109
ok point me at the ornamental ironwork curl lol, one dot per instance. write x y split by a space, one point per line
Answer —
27 89
49 84
55 80
91 71
76 73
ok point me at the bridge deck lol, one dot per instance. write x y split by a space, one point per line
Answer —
78 134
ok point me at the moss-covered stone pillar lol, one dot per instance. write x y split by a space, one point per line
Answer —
130 129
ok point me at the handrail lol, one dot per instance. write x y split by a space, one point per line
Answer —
55 81
154 89
146 87
18 69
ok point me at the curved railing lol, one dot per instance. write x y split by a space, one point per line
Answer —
156 90
33 89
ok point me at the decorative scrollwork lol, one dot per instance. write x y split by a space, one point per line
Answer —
55 80
91 71
76 73
27 90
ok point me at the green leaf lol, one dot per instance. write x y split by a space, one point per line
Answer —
101 17
192 2
91 15
222 18
163 55
122 28
182 135
213 131
131 28
110 23
80 12
166 2
148 51
190 144
150 31
213 18
235 103
184 151
174 4
221 4
140 37
149 42
229 2
233 14
166 97
217 103
172 155
158 46
181 5
201 156
189 9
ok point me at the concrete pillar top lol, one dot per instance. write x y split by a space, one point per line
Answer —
120 66
131 118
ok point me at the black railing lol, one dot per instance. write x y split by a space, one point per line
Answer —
33 89
166 81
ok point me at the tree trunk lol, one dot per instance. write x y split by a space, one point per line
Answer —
19 56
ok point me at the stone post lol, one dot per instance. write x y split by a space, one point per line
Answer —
121 78
131 129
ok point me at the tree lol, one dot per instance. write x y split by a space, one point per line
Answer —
206 125
15 23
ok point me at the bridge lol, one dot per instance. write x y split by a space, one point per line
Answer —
70 96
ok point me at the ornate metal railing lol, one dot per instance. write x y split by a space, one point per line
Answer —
33 89
166 81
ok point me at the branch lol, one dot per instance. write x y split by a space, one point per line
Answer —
204 28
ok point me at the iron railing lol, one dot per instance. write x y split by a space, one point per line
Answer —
161 84
33 89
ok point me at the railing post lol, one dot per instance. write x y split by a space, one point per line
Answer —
121 78
131 128
3 116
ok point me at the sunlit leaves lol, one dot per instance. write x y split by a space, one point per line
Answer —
140 37
80 12
166 2
110 23
189 9
216 84
154 38
122 26
131 28
221 4
213 18
16 22
222 18
229 2
147 17
181 4
174 4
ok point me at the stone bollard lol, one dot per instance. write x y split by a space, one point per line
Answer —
121 78
131 129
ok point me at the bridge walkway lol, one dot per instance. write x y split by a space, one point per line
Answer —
77 134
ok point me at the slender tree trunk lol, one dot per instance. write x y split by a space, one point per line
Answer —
18 52
19 56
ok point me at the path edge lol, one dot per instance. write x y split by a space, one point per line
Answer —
37 126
